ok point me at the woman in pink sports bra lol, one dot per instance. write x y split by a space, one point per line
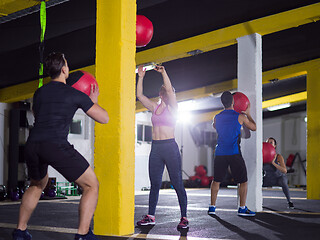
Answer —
164 149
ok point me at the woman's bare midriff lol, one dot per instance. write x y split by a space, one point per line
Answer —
162 133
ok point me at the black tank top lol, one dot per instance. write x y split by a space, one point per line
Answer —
54 106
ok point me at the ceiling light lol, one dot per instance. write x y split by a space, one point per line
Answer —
184 117
147 66
274 80
186 106
278 107
195 52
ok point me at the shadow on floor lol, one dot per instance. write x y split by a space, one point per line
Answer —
144 229
285 227
237 230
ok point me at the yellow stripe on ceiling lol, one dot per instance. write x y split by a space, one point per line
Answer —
227 36
296 97
208 116
11 6
280 74
290 71
216 38
197 93
26 90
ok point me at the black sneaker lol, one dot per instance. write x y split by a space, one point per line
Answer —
88 236
290 205
18 234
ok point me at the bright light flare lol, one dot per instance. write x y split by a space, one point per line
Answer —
278 107
184 116
147 67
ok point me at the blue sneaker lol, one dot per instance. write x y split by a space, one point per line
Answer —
18 234
88 236
212 210
245 212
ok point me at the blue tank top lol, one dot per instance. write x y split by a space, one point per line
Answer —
228 129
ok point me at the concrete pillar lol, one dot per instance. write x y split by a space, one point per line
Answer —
250 83
313 133
2 122
115 142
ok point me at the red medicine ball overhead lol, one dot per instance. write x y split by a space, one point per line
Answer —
81 81
268 152
144 31
241 102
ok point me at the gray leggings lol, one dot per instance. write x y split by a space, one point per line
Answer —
166 152
281 181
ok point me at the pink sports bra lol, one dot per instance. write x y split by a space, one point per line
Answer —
165 118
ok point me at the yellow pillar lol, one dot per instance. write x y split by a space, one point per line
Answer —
114 142
313 133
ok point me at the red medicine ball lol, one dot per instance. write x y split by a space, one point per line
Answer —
268 152
194 178
241 102
144 31
205 181
201 171
81 81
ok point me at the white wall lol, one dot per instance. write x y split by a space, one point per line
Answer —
142 151
272 128
3 147
190 152
4 135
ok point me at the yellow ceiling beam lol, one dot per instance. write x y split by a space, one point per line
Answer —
292 98
294 70
196 93
216 39
11 6
208 116
280 74
26 90
227 36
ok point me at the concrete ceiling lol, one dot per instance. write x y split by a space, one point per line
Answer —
73 33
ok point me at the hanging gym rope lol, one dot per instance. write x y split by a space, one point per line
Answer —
30 10
42 8
43 22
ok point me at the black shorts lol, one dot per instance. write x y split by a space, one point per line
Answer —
62 157
237 167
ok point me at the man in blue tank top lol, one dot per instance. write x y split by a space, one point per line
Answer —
228 154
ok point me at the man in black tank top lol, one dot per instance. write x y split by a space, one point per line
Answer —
54 106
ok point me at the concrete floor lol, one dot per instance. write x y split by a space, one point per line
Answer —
57 219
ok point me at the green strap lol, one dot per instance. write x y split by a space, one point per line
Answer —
43 23
43 19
